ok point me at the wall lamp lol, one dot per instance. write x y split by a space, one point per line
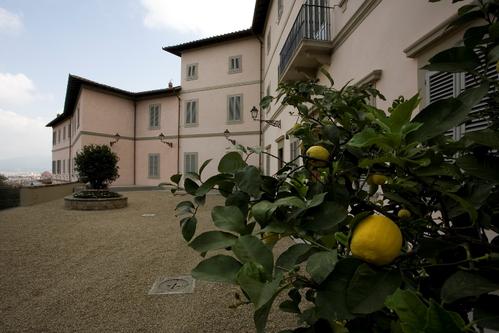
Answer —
254 115
227 134
117 138
162 138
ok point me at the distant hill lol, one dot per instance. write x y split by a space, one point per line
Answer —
38 163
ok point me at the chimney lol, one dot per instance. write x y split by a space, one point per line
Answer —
170 84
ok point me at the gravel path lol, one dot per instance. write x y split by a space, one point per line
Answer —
74 271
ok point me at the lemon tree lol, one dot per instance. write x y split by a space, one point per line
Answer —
392 226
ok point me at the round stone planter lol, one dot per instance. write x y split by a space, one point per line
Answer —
70 202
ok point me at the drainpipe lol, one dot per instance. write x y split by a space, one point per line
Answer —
70 159
134 141
178 133
260 134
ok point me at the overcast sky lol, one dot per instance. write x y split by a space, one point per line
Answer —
116 42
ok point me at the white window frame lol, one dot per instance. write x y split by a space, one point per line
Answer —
154 112
191 71
294 147
280 10
231 102
190 162
189 111
233 60
153 171
268 40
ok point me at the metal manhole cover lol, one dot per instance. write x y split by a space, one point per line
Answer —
173 285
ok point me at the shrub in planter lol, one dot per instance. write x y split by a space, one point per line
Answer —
97 165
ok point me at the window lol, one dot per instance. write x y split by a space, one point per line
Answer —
294 150
58 167
78 117
267 93
192 72
54 167
64 133
191 112
154 116
280 152
54 138
234 108
190 162
63 166
268 41
235 64
280 8
442 85
153 166
59 136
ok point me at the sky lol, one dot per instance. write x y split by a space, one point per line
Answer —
115 42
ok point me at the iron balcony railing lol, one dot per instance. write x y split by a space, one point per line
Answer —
312 23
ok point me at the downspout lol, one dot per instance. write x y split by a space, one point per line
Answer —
260 134
70 159
178 133
134 141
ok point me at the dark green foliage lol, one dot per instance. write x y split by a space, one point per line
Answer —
97 165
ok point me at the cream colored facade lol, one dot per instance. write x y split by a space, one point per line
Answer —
384 42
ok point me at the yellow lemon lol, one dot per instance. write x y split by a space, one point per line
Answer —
404 213
376 240
376 179
318 153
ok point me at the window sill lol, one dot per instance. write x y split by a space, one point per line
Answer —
153 177
235 71
191 78
191 125
234 122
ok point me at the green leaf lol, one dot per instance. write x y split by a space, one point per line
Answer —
316 200
289 306
190 186
410 310
493 55
240 200
486 312
369 288
219 268
326 217
231 162
249 180
262 211
321 264
367 138
486 137
440 320
188 226
465 204
290 201
465 284
293 256
229 218
210 183
176 178
444 114
331 299
454 60
474 35
401 115
212 240
203 166
484 167
249 248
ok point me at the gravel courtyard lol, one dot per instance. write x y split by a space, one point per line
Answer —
78 271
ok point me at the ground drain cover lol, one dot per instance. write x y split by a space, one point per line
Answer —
148 215
173 285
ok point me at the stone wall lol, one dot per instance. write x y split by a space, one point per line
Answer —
9 196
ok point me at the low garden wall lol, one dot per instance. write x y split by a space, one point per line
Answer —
39 194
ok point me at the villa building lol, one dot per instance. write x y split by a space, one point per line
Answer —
159 133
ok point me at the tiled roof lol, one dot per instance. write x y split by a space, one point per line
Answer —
76 82
178 49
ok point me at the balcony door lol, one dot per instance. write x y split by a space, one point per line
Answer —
317 20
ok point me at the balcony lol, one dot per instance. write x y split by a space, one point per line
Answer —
309 44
